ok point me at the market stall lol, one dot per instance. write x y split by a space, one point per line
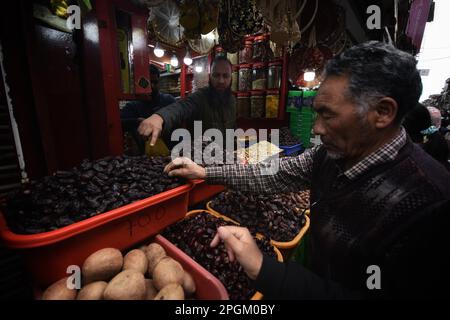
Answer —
115 225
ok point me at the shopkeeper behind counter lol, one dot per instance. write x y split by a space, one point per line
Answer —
135 112
214 106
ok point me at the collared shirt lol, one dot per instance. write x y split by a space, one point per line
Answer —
295 173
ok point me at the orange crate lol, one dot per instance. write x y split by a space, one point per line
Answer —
278 244
257 295
208 287
48 254
203 191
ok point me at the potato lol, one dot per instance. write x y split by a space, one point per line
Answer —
93 291
136 260
102 265
59 291
154 254
172 291
127 285
188 284
151 290
167 271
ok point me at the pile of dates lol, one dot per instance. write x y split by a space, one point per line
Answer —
286 137
279 217
215 154
194 234
85 191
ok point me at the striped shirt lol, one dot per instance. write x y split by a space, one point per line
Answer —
294 174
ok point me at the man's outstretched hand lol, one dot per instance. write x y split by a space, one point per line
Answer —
242 247
151 127
185 168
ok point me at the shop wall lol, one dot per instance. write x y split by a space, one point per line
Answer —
57 90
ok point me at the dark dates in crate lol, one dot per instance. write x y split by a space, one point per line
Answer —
194 234
286 138
278 216
90 189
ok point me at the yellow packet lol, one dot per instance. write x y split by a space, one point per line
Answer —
159 149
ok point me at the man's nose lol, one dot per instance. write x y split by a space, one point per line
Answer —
318 127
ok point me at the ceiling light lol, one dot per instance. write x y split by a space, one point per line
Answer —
158 51
187 59
309 75
174 61
198 69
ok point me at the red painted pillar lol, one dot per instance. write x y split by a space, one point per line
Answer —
111 74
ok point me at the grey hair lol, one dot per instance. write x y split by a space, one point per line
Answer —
376 70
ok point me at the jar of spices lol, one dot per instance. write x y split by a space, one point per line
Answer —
259 78
243 105
276 49
274 75
260 49
235 78
257 104
245 77
272 103
245 55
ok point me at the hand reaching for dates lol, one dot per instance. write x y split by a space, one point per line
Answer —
186 168
242 247
151 127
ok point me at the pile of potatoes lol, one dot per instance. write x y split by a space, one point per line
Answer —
146 273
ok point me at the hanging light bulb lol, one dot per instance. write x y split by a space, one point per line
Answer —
158 51
187 59
309 75
174 61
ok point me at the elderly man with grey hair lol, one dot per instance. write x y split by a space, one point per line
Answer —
381 213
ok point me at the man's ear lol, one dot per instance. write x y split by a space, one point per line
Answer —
385 112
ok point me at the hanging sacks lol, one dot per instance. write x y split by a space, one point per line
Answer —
284 15
198 17
227 40
209 17
237 19
244 18
189 15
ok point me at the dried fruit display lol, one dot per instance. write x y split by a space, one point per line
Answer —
257 104
85 191
215 155
245 78
286 138
279 217
194 235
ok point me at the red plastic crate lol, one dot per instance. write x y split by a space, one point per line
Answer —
203 191
48 254
208 287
